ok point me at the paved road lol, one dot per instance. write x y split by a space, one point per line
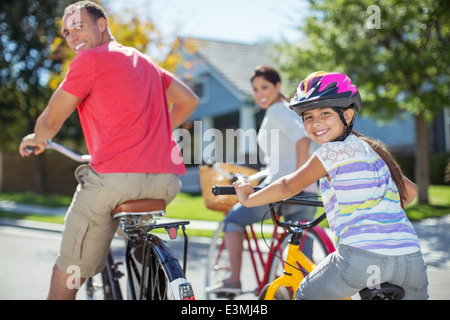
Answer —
27 255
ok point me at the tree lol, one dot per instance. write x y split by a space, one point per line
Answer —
34 60
395 51
27 30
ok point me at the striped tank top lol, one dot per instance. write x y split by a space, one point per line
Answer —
361 200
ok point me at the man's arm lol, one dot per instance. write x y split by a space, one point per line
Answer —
183 100
59 108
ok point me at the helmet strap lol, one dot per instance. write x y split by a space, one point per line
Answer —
348 127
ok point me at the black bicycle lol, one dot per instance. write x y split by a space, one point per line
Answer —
153 272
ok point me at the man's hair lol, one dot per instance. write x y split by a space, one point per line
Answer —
94 10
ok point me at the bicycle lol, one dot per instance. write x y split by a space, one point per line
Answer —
262 256
153 272
297 264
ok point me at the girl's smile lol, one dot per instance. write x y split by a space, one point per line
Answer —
321 132
324 124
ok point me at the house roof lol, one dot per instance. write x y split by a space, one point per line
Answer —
235 62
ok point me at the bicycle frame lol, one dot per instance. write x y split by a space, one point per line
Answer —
296 259
256 253
159 247
291 277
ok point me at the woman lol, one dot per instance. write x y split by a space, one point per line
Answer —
280 121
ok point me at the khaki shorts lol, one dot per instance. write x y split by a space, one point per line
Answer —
89 227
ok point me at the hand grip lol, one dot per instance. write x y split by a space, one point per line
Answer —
218 190
30 149
227 190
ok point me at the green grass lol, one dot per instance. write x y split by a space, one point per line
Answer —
32 217
50 200
439 204
191 207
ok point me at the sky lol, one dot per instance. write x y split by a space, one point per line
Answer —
245 21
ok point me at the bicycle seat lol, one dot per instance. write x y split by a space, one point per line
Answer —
141 206
386 291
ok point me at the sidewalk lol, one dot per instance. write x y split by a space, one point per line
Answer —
434 237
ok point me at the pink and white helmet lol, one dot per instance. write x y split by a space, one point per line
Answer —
324 89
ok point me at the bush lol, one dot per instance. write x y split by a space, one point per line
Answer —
439 167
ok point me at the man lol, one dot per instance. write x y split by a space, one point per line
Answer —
122 99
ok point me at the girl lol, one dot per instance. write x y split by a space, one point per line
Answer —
290 152
364 194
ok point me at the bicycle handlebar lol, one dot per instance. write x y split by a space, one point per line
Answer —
229 190
237 175
64 151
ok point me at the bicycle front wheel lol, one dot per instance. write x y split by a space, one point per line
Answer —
156 273
217 262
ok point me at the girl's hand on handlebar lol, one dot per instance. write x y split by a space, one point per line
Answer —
27 142
243 190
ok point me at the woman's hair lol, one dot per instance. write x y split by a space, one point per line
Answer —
394 168
268 73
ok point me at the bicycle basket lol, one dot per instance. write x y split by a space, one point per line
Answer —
210 177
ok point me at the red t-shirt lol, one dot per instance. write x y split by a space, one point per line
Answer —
124 113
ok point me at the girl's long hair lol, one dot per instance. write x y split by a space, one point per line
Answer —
389 159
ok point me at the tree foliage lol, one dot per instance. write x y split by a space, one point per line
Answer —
400 64
27 30
35 59
395 51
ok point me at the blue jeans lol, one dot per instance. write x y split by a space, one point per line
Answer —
348 270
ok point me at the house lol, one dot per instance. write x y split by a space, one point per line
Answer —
225 123
219 72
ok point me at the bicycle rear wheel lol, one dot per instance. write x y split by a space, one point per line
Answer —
156 273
